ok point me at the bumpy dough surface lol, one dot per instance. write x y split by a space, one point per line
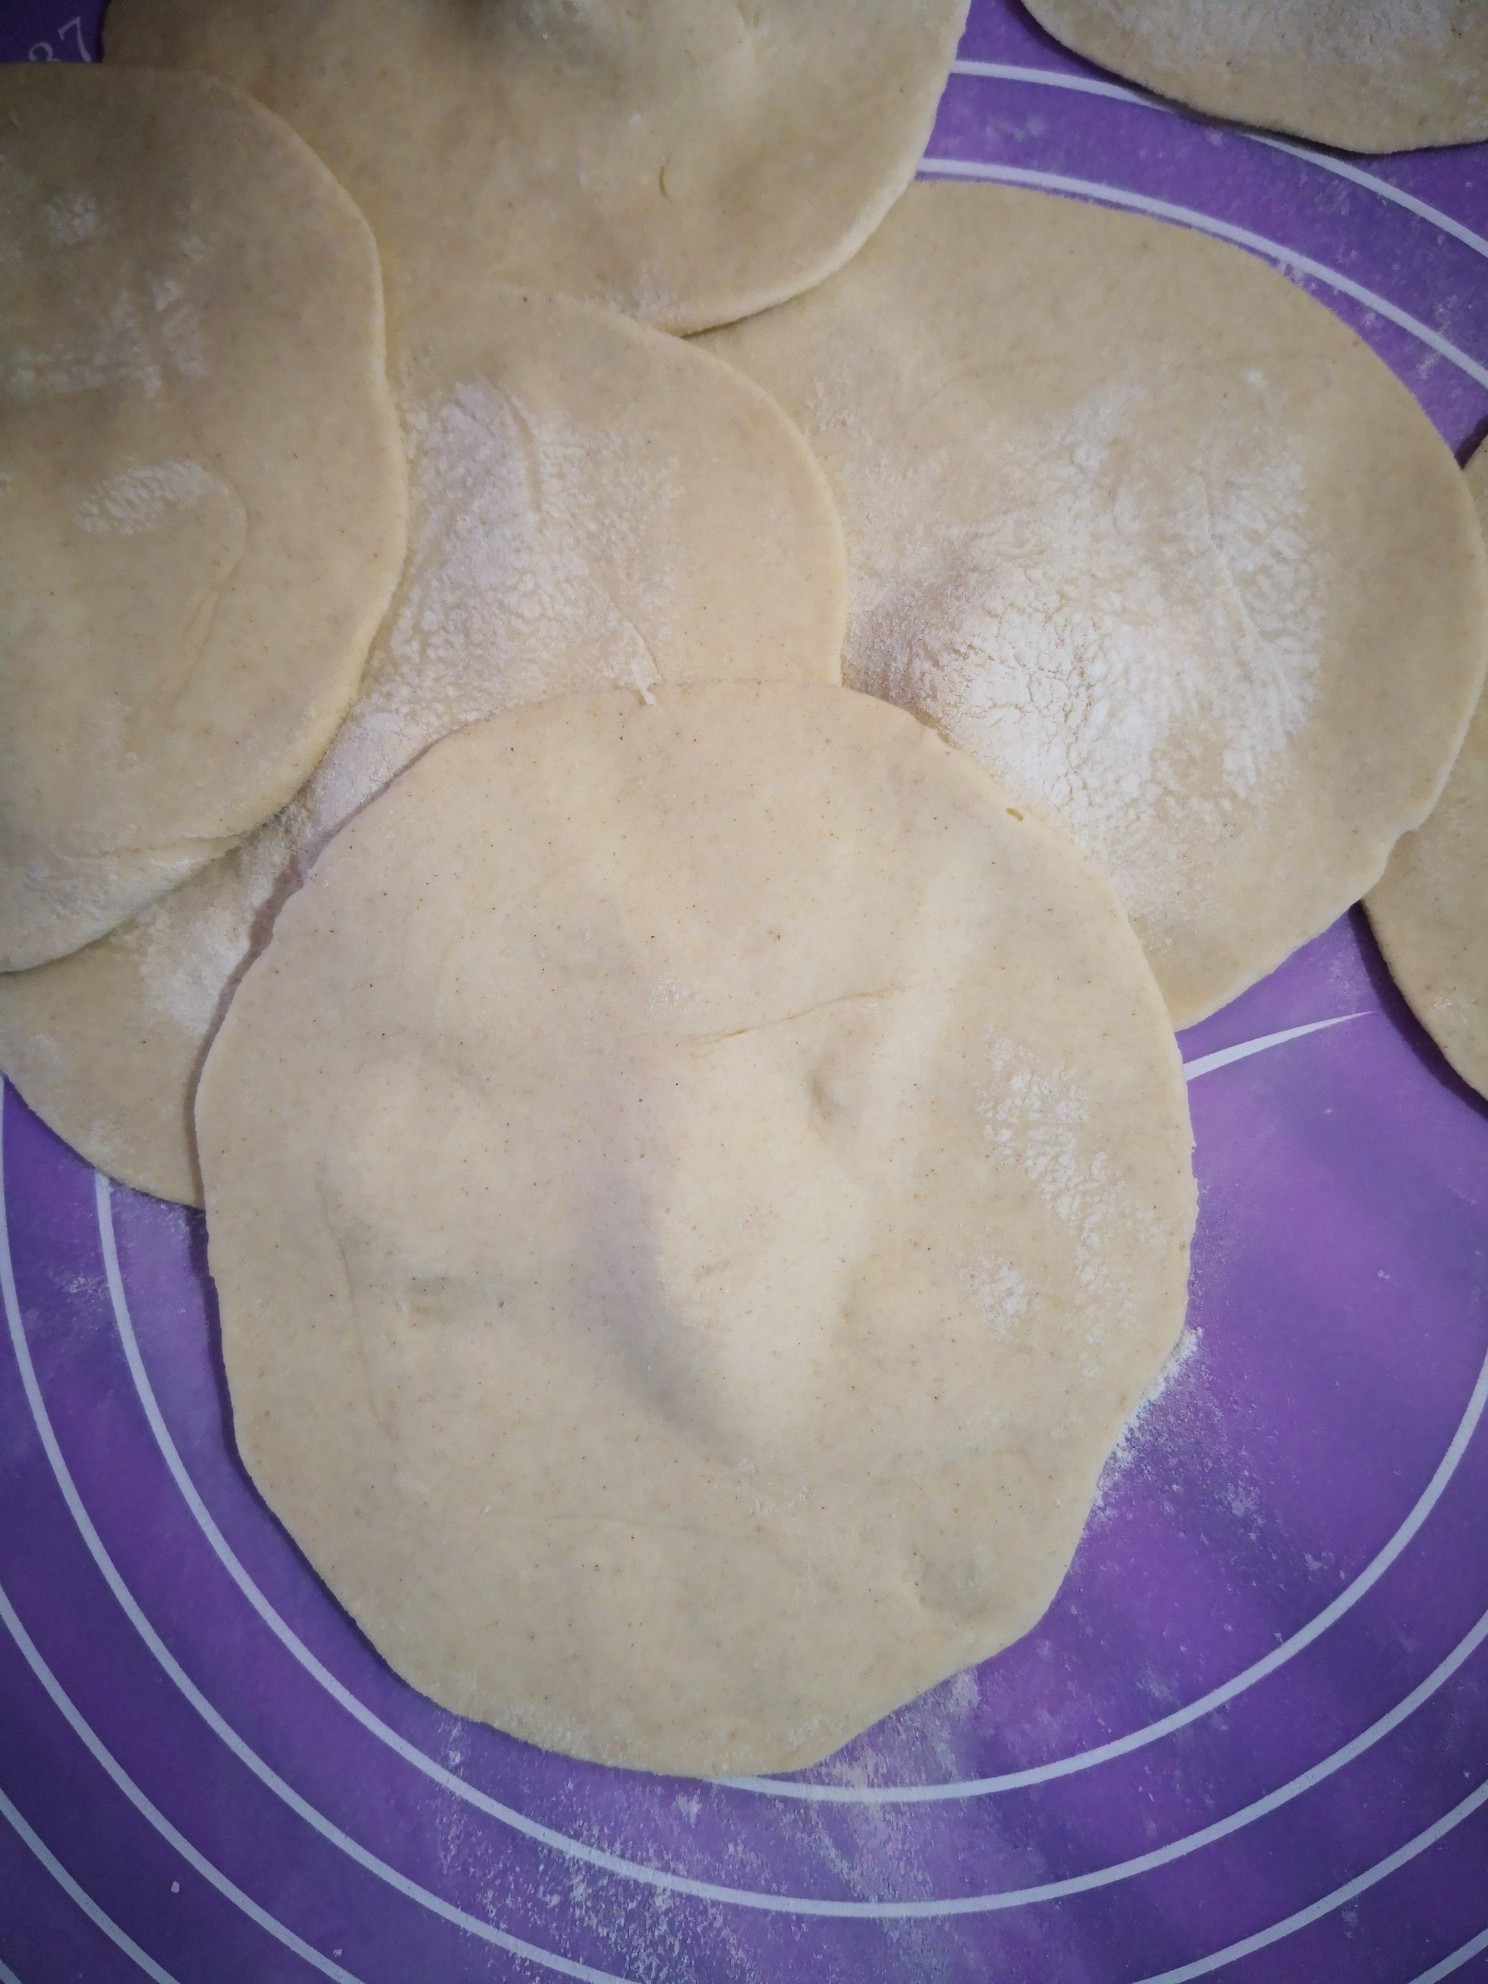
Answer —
1366 75
694 1191
1158 540
202 500
1430 909
594 504
686 161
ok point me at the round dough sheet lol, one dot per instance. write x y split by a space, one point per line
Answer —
694 1190
687 161
202 488
1151 534
1365 75
594 504
1430 908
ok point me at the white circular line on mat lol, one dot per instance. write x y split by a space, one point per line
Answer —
485 1931
80 1898
101 1754
842 1794
1339 1898
1260 244
1454 1962
1012 72
706 1891
801 1791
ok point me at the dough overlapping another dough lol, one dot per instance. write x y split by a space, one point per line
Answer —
594 504
1158 540
746 1188
202 486
686 161
1430 908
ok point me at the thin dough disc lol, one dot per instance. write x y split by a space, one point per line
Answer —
1430 910
1158 540
594 504
202 502
1366 75
687 161
694 1192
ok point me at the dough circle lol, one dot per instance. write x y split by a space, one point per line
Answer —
1430 909
202 485
594 504
686 161
694 1191
1158 540
1365 75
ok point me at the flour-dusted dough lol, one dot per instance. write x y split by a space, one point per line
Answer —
1430 909
686 161
594 504
201 484
694 1191
1366 75
1158 540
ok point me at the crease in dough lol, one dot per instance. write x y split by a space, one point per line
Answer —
690 1407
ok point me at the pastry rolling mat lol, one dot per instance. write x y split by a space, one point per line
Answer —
1249 1740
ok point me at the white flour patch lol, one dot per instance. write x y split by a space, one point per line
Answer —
69 219
1168 1386
1131 654
503 603
137 500
520 524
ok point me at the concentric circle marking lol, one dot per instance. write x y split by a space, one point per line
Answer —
1013 72
789 1904
41 1420
1288 259
80 1899
1339 1896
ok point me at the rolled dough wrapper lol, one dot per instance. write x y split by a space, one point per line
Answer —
1365 75
1430 908
202 486
593 504
1157 539
686 161
694 1191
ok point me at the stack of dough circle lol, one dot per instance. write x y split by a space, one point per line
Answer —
1158 540
594 504
694 1190
201 485
1430 909
687 161
1366 75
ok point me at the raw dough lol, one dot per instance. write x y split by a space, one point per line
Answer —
201 484
594 503
1158 540
694 1192
1430 911
1366 75
687 161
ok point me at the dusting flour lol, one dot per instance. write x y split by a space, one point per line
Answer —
525 534
1130 656
1035 1115
505 601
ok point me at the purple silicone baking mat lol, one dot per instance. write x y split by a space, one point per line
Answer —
1250 1739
